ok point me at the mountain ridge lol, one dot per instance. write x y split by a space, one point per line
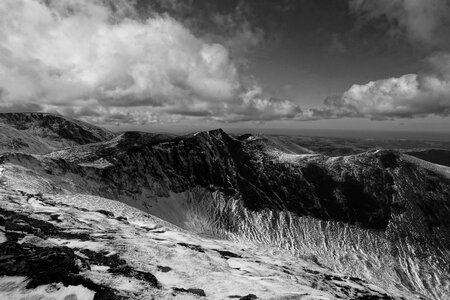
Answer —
46 132
380 215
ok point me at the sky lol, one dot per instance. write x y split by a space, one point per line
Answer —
200 64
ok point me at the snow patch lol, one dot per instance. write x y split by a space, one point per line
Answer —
78 244
98 268
13 288
34 240
288 157
2 237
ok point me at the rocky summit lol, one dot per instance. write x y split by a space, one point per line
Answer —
90 214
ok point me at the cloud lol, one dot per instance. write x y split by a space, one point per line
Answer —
70 55
250 105
407 96
57 53
253 105
112 115
424 22
411 95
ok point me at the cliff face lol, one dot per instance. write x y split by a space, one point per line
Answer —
367 189
42 133
379 215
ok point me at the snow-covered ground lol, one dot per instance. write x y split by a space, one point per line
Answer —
186 265
288 157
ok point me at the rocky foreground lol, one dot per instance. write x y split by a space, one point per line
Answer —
218 216
86 247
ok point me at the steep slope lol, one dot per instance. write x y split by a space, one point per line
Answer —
380 215
436 156
43 132
86 247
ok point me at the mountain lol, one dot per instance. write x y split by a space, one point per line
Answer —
43 132
380 217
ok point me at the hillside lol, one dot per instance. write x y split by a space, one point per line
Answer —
43 132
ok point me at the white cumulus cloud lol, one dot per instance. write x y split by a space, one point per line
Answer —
70 55
407 96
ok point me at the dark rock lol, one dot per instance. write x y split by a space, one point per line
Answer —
106 213
249 297
374 297
227 254
332 277
55 217
140 275
49 265
121 218
41 265
164 269
119 266
103 258
389 159
193 247
14 221
198 292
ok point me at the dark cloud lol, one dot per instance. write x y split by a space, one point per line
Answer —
424 22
